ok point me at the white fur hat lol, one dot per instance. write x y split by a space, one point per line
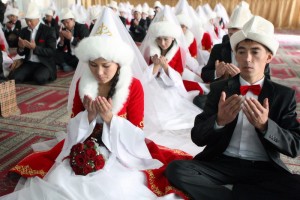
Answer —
184 20
165 28
151 12
138 8
49 12
259 30
113 4
157 4
33 11
240 15
13 11
66 13
115 50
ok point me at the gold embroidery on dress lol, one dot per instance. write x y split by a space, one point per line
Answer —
141 125
26 170
103 30
153 187
124 115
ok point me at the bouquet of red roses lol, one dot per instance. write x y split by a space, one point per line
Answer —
86 157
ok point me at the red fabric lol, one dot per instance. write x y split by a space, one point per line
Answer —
190 85
156 180
39 163
206 41
193 48
255 89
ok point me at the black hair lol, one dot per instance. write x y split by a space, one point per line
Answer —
249 40
169 46
114 80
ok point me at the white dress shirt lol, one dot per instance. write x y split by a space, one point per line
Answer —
33 57
245 142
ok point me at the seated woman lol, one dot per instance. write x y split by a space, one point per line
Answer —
108 104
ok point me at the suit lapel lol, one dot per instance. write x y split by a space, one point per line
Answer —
233 86
226 52
38 33
267 91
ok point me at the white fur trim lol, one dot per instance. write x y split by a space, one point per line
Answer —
189 37
165 29
88 85
116 50
154 49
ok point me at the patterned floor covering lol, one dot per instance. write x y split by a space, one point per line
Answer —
43 110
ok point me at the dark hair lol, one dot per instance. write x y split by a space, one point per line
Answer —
169 46
249 40
114 80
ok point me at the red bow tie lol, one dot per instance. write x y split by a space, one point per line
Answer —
255 89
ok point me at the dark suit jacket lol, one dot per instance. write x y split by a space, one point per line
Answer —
13 35
54 26
221 52
282 135
80 32
45 47
138 32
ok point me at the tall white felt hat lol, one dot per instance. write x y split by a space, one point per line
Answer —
49 12
151 12
113 4
13 11
66 13
138 8
240 15
157 4
259 30
184 20
33 11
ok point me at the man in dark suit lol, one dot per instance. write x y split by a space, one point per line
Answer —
138 26
37 42
12 28
70 36
51 22
221 63
244 135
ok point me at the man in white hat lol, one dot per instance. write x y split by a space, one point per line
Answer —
37 42
247 122
150 16
157 7
51 22
138 25
12 27
70 35
114 6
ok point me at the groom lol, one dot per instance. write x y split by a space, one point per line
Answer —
247 122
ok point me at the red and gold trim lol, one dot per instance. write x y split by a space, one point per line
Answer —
27 171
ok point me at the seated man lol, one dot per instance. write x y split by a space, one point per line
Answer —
69 36
138 26
51 22
12 27
244 135
37 42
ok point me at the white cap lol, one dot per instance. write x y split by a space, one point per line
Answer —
94 13
259 30
184 20
165 29
240 15
13 11
151 12
145 10
49 12
113 4
32 11
157 4
138 8
66 13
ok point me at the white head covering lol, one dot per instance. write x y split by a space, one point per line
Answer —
66 13
240 15
49 12
259 30
95 12
138 8
158 4
32 11
113 4
12 11
109 39
151 12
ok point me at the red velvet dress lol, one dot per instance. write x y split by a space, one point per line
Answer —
193 48
39 163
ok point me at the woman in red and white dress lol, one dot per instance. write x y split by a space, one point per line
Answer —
107 103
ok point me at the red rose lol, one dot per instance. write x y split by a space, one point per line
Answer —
87 169
91 153
77 170
77 148
80 160
90 144
99 162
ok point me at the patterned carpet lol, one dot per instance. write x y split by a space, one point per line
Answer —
43 110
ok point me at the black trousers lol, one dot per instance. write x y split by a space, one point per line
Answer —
31 71
251 180
64 57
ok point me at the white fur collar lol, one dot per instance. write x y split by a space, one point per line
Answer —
88 85
154 49
189 37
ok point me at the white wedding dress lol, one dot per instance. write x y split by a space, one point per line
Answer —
126 154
